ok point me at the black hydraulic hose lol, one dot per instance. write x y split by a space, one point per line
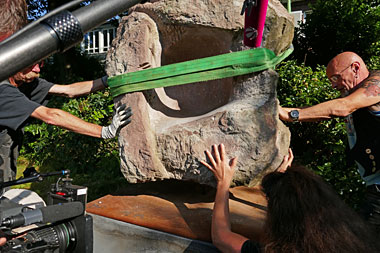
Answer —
56 34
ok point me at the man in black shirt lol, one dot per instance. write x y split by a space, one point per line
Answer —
24 95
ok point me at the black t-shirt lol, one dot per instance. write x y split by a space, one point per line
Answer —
16 106
250 247
18 103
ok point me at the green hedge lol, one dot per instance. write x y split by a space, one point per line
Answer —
93 162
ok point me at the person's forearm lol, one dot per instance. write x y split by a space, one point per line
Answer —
68 121
322 111
77 89
223 169
77 125
221 215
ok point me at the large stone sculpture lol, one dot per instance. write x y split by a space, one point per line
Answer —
173 126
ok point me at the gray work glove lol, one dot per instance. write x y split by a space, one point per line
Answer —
120 119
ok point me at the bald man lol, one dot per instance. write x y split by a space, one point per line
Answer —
360 104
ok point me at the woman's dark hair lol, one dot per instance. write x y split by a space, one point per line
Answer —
306 215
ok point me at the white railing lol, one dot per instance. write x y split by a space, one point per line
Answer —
98 40
299 17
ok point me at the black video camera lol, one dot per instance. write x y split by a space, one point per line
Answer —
61 226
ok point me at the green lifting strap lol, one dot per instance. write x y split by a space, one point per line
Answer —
205 69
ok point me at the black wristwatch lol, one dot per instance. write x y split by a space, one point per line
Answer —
294 115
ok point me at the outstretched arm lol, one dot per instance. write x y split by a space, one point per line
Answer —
368 95
66 120
79 88
339 107
222 236
86 87
70 122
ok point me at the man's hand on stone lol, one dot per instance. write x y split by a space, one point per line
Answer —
120 119
283 113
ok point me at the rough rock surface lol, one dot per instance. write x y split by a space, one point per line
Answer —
177 19
173 126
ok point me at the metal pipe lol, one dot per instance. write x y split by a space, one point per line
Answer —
98 12
49 14
43 40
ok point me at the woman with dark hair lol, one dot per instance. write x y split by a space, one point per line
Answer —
304 213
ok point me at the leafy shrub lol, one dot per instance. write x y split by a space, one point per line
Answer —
321 145
93 162
374 61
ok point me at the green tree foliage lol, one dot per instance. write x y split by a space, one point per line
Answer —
374 61
319 145
335 26
38 8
